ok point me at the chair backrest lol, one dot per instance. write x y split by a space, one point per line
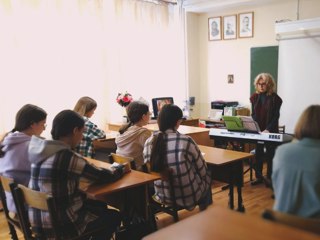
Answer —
122 159
5 182
24 198
12 222
307 224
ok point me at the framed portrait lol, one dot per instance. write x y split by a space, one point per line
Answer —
214 28
246 24
230 78
230 27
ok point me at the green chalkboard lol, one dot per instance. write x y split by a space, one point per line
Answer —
263 59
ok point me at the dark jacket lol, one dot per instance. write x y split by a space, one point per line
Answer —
266 113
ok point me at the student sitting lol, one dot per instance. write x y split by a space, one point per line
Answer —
168 149
86 107
14 163
56 169
296 168
133 135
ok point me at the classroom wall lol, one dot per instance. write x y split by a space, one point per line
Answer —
209 62
54 52
299 71
193 60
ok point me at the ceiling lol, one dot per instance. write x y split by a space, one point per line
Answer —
205 6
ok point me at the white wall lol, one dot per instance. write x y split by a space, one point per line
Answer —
299 58
54 52
217 59
194 61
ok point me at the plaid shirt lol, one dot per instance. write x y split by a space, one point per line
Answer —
91 132
190 172
59 176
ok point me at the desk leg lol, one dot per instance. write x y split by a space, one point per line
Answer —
146 197
240 204
231 197
251 166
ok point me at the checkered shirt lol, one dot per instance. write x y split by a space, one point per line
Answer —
59 175
91 132
190 172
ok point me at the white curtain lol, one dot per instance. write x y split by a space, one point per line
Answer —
53 52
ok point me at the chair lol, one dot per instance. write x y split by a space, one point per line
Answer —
306 224
122 160
13 222
25 197
156 206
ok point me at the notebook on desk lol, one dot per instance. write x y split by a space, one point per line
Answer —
241 124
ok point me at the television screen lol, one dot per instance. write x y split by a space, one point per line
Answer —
158 103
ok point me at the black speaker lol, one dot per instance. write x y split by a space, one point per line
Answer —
192 101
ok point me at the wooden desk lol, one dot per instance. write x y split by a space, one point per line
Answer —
222 224
106 143
209 123
119 194
194 122
191 122
129 180
227 166
199 135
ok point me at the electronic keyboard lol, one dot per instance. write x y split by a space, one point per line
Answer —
270 137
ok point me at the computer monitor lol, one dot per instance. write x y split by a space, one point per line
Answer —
158 103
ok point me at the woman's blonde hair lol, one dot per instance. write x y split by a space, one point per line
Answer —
85 105
269 80
308 123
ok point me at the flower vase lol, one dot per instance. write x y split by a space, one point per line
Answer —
124 115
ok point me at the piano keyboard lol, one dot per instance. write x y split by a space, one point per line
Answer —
271 137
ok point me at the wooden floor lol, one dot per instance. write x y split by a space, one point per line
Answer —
255 199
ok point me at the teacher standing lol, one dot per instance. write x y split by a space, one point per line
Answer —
266 106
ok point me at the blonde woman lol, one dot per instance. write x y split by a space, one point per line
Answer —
86 107
266 112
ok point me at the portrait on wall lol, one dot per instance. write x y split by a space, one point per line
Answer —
246 25
214 28
230 27
230 78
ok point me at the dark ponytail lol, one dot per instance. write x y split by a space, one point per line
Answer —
135 111
158 158
1 152
168 117
125 127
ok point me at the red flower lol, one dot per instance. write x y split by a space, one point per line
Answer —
124 99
